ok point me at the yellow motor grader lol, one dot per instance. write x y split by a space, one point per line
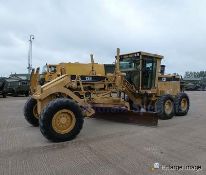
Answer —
137 91
51 71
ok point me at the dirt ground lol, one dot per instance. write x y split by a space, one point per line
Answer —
104 147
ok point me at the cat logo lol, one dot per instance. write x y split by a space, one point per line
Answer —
88 78
164 79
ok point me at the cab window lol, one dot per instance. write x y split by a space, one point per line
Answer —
52 69
44 69
131 66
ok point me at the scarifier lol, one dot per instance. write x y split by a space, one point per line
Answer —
137 92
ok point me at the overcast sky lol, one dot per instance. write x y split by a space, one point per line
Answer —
68 31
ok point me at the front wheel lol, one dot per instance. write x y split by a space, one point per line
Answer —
165 107
30 112
61 120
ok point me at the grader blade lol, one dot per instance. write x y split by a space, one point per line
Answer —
140 118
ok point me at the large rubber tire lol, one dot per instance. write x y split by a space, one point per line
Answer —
48 113
160 107
179 110
29 113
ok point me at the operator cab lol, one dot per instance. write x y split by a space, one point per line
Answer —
48 73
49 68
141 69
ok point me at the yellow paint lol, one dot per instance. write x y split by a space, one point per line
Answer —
63 121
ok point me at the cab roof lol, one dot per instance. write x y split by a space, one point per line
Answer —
141 53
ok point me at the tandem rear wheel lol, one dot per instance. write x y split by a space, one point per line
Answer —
182 104
165 107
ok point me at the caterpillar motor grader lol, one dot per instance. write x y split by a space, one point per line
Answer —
52 71
137 91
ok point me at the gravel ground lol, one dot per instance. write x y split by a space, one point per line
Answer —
104 147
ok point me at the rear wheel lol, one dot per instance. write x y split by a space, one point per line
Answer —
30 112
182 104
61 120
165 107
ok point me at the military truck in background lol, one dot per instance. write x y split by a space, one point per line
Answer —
16 87
3 87
194 84
192 87
18 84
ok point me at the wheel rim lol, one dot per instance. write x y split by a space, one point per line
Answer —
168 107
35 112
184 104
63 121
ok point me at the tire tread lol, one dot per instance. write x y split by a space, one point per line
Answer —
28 112
160 107
50 110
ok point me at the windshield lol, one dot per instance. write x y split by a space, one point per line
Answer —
44 69
52 68
48 68
129 64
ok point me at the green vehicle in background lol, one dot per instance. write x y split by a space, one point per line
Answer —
18 84
17 87
3 87
195 84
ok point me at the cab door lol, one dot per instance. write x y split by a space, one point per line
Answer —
149 66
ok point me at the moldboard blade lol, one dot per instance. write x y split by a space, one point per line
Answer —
141 118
